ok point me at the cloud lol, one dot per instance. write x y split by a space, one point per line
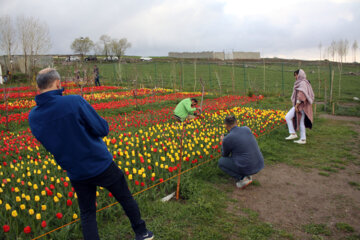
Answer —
275 28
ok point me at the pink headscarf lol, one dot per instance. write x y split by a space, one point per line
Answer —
302 84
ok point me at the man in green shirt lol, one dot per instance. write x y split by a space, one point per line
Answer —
185 109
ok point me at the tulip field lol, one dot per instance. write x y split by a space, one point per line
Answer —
36 195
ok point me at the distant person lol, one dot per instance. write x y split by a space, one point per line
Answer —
1 76
70 129
6 76
301 114
186 109
241 156
97 77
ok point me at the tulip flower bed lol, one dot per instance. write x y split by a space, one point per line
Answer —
25 103
16 94
36 196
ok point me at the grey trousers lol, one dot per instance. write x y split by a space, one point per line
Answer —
229 167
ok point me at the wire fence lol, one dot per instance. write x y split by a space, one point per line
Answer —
266 78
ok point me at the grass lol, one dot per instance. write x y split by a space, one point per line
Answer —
344 227
317 229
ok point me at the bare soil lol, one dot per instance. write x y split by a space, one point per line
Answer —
290 197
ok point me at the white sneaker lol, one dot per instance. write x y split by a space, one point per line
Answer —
301 141
291 137
244 183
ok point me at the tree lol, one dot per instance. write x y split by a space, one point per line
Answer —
34 37
7 37
332 50
105 41
354 49
118 47
82 46
345 48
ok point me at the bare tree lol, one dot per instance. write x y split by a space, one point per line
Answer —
345 48
354 49
105 41
332 50
341 46
320 48
98 48
82 46
7 38
118 47
34 37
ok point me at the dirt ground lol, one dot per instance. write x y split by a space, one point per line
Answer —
289 197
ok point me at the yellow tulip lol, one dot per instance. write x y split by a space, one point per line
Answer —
22 206
7 207
31 211
43 207
75 216
14 213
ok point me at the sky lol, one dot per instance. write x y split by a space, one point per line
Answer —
286 29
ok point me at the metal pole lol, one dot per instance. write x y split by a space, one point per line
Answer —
209 77
182 75
282 78
181 151
155 74
244 78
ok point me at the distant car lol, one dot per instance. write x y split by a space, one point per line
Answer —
111 58
72 59
90 59
145 58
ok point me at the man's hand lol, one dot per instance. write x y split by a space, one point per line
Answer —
222 137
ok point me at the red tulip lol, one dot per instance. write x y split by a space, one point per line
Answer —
136 182
69 202
6 228
110 194
59 215
66 184
27 229
43 224
142 184
70 194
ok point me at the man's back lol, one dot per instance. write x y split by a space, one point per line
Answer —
183 109
241 146
71 130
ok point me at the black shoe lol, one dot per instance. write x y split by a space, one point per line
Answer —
147 236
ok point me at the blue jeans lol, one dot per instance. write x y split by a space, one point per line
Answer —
97 81
228 166
113 180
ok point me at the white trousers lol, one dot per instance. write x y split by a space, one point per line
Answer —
289 120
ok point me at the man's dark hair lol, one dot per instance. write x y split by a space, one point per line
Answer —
195 100
297 72
47 77
230 120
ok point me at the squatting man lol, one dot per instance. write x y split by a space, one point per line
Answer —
241 156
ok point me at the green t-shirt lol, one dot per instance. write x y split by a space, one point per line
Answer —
183 109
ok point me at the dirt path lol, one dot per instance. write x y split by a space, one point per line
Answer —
289 197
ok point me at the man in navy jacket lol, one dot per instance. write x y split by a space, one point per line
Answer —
241 156
70 129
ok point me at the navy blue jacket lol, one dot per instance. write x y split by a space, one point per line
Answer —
241 146
70 129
